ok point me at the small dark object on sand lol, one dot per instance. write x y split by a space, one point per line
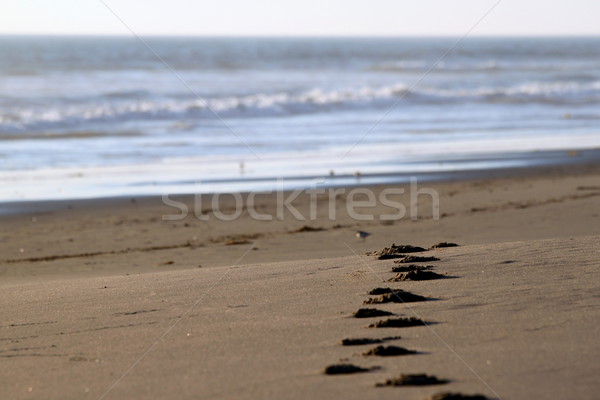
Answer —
396 296
418 275
397 323
413 380
443 244
385 351
456 396
339 369
362 341
414 259
371 312
411 267
362 234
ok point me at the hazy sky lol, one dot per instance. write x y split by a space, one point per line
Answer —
306 17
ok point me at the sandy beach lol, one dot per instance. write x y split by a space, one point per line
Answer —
274 200
117 299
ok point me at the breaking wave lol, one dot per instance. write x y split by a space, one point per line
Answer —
132 108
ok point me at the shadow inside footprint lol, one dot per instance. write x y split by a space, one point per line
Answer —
363 341
398 323
386 351
370 313
395 296
390 256
414 259
418 275
340 369
456 396
443 245
411 267
413 380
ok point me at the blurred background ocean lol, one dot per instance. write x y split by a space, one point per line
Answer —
84 117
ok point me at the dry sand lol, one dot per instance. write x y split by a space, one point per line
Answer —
106 300
519 321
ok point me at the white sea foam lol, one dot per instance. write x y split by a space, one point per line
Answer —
316 100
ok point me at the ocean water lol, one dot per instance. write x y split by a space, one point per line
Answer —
85 117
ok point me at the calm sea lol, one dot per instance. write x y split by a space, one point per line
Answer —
88 117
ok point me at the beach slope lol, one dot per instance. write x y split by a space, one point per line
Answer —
515 320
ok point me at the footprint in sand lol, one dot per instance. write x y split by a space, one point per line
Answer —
418 275
387 351
363 341
443 245
413 380
342 369
370 313
411 268
414 259
395 251
398 323
379 290
394 296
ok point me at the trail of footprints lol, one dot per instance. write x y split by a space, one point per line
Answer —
406 269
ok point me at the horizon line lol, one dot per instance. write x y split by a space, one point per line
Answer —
309 36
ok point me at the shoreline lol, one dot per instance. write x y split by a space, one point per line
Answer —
583 161
494 165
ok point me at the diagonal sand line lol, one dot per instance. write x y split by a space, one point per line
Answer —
128 250
421 78
180 78
462 360
170 328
